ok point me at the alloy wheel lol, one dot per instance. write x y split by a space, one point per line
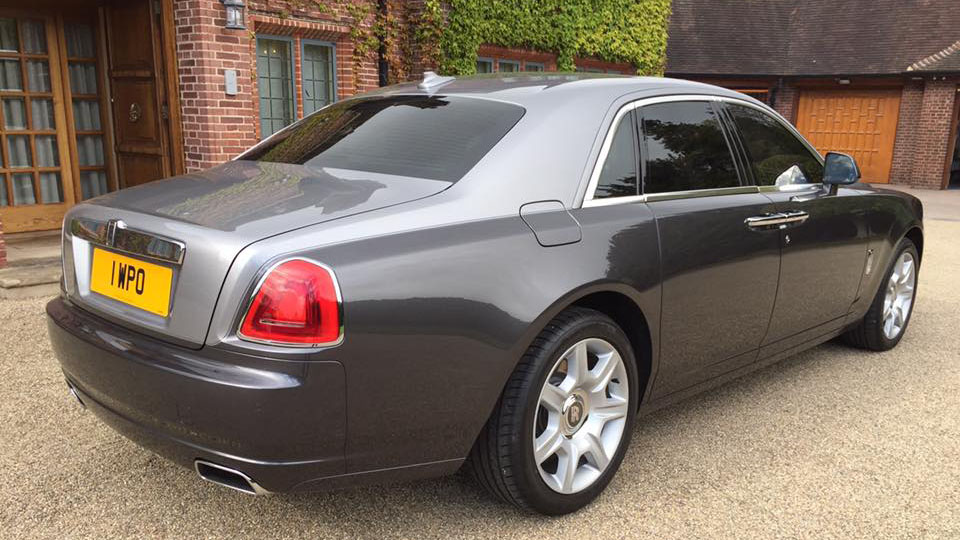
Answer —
581 416
899 297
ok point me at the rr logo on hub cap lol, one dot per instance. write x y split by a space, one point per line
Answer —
573 412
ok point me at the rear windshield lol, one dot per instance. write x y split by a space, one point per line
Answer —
433 137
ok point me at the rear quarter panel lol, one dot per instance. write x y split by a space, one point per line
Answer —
437 319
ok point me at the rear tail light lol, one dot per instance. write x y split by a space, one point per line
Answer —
297 303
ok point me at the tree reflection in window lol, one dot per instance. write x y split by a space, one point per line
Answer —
685 148
777 156
618 177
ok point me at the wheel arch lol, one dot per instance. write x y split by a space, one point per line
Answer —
915 235
630 318
624 305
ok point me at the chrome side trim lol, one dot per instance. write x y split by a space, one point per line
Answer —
698 193
671 196
246 307
589 201
115 234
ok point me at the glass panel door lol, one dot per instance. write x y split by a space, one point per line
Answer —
30 166
86 111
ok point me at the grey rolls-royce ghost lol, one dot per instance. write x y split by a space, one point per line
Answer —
494 273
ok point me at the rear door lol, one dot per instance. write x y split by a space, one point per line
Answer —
719 275
824 240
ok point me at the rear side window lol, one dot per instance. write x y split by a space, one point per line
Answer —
618 177
685 148
777 156
432 137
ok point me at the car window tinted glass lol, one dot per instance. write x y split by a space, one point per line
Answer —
432 137
685 148
776 155
618 178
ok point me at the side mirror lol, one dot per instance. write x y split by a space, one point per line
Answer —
840 170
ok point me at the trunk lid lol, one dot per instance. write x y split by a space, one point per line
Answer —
212 216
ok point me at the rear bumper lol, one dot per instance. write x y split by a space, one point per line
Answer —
282 423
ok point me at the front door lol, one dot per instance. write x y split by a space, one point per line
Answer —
823 237
719 275
140 106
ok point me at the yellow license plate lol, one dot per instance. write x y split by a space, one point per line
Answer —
132 281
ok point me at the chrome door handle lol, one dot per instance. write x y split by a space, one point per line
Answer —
796 216
764 221
779 220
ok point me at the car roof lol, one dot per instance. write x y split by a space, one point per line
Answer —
530 88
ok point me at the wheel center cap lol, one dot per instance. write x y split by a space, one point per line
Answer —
574 413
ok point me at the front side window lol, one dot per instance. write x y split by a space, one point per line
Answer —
777 156
275 84
685 148
431 137
618 177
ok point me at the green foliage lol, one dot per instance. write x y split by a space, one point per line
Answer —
633 31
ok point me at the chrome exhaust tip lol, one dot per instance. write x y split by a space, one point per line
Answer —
227 477
76 395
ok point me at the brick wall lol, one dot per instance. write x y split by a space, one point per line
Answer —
548 60
908 126
785 102
927 142
217 127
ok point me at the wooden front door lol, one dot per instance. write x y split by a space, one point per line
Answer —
862 123
140 106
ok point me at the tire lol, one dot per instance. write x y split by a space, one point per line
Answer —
502 459
872 332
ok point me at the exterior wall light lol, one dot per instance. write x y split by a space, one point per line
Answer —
235 14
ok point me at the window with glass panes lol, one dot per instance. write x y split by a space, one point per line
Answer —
484 65
275 84
508 66
85 109
317 75
30 169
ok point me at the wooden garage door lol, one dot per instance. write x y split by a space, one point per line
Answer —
862 123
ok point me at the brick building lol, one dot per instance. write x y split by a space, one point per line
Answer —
877 79
104 94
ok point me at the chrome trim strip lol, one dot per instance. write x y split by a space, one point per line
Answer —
256 290
116 235
671 196
698 193
588 199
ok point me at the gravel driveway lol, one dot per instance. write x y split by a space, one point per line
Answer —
832 443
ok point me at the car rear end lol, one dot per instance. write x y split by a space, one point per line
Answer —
144 268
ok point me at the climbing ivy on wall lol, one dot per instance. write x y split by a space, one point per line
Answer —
633 31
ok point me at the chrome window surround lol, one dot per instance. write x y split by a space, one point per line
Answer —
589 200
115 234
249 303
